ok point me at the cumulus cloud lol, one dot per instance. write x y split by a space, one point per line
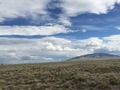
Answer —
35 8
49 49
111 45
91 42
21 8
33 30
76 7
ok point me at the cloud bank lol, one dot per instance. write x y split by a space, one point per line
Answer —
51 49
33 30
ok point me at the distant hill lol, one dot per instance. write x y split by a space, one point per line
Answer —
96 56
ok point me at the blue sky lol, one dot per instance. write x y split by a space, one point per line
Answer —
34 31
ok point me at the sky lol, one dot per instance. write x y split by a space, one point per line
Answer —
37 31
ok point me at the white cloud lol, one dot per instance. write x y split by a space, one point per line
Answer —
115 38
73 8
56 40
50 46
36 9
15 50
33 30
111 44
91 42
33 50
33 8
21 8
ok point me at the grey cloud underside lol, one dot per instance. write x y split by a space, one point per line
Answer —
51 49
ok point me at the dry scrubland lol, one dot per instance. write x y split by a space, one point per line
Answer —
73 75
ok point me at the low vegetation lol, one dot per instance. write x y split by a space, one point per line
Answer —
73 75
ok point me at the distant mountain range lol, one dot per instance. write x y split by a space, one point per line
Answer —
96 56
